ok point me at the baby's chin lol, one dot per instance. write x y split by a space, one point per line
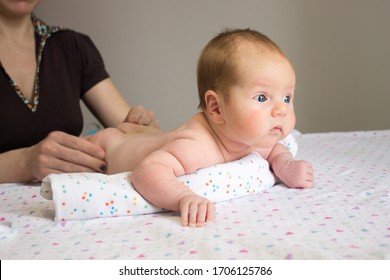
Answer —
268 144
285 133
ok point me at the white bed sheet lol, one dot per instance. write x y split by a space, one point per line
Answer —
345 216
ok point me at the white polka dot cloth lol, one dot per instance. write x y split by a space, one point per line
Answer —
345 216
79 196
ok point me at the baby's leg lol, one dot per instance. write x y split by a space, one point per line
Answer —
136 128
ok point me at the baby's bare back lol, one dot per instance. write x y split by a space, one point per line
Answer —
128 144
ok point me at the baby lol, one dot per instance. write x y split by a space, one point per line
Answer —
246 89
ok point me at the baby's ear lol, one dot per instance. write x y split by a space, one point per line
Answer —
213 106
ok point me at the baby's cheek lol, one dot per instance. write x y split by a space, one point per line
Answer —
253 124
291 120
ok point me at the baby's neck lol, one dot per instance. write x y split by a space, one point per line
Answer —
230 149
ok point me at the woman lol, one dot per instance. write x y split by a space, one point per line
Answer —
44 71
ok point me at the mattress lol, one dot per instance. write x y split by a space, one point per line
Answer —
345 216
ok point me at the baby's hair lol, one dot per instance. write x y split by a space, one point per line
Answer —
217 64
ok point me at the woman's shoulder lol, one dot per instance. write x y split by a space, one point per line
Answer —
72 42
70 36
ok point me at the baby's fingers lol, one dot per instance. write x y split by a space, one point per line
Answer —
205 213
189 214
193 214
210 212
197 213
184 214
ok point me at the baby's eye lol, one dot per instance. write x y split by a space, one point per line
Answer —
287 99
261 98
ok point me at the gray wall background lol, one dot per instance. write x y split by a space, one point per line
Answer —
340 51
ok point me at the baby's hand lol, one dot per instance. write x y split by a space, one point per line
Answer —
196 210
297 174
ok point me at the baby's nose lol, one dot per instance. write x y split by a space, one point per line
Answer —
280 109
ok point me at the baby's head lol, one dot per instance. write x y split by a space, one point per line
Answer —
218 64
246 87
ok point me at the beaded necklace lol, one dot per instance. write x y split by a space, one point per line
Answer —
44 31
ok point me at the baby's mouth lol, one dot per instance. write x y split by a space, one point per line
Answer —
277 128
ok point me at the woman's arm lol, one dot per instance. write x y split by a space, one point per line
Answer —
57 153
110 108
14 167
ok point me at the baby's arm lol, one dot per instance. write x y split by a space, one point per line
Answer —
294 173
155 179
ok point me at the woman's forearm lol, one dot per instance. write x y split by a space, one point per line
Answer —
14 167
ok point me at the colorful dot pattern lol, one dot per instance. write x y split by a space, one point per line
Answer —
345 216
80 196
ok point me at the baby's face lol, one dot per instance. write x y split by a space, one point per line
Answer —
260 109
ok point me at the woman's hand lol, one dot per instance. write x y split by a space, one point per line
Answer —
139 115
60 152
110 108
